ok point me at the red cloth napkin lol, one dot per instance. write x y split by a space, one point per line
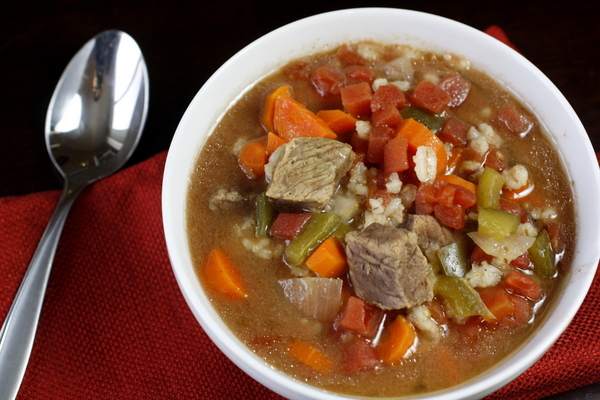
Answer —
115 325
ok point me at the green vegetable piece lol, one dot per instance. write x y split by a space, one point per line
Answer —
341 231
454 258
318 228
489 188
459 295
264 215
542 255
497 224
432 121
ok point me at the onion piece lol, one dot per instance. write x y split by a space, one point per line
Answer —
318 298
509 248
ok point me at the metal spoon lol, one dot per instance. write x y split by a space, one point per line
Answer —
94 122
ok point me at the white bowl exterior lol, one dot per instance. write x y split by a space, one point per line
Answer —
425 31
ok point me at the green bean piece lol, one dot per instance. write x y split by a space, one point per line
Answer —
542 255
459 295
454 258
264 215
432 121
318 228
489 188
497 224
341 231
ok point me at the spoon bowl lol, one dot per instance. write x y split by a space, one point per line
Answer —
94 122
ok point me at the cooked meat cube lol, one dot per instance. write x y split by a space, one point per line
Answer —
307 173
387 267
432 235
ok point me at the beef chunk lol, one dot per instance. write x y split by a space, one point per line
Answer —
432 235
387 267
307 173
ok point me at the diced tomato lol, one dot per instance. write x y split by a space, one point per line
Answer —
514 208
454 131
388 116
360 317
429 96
423 200
522 262
522 284
360 74
358 355
298 70
521 315
356 98
498 301
349 55
479 256
327 81
473 328
464 197
457 88
288 225
555 233
495 160
452 216
395 155
359 145
378 138
515 120
388 94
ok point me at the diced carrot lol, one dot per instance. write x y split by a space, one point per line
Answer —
385 95
328 260
379 136
253 157
522 284
359 355
356 98
429 96
396 340
388 116
454 131
222 277
360 317
269 106
395 155
515 120
419 135
356 73
339 121
273 142
292 119
457 180
327 81
288 225
457 88
498 301
311 356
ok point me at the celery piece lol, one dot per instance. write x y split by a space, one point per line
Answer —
489 188
318 228
542 255
431 121
497 223
454 258
264 215
459 295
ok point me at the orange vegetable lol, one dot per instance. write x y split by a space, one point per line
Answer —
395 155
360 317
269 107
292 119
430 96
498 301
396 339
273 142
253 157
339 121
311 356
328 260
356 98
522 284
222 277
419 135
457 180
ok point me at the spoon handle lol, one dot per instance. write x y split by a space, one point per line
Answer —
19 328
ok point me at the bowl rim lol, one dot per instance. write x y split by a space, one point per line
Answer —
182 156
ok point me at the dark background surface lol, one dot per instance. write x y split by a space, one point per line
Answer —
184 42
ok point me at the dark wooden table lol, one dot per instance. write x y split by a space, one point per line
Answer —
184 42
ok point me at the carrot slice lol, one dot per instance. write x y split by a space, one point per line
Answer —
328 260
269 107
292 119
222 277
457 180
339 121
253 157
419 135
311 356
396 339
273 142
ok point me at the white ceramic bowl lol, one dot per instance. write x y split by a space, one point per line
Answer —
424 31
